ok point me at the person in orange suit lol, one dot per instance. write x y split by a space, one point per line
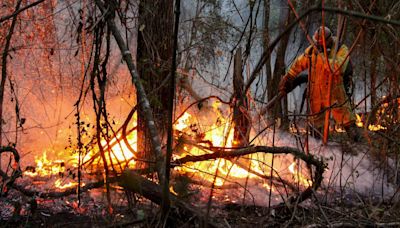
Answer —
320 68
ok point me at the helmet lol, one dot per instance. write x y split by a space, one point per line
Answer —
318 36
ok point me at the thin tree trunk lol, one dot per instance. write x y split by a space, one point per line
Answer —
4 68
166 193
266 40
279 70
241 118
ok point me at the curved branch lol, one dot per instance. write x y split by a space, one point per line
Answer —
309 159
8 181
199 102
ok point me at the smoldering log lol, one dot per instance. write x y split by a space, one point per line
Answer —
134 182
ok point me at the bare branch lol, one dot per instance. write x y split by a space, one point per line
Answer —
2 19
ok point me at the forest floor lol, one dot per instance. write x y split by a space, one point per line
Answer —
310 213
340 210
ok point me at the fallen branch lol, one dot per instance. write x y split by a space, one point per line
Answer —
309 159
152 191
59 194
132 181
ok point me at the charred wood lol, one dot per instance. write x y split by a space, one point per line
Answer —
152 191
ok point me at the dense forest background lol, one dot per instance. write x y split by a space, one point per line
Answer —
83 75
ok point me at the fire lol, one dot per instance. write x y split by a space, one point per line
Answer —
386 115
182 122
359 122
298 176
60 185
371 127
45 167
120 152
218 134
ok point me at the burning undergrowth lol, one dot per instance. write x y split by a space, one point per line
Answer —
235 176
207 167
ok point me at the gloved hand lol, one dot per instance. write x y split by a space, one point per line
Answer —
284 85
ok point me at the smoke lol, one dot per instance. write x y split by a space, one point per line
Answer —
45 72
352 171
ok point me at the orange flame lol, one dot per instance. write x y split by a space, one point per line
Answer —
45 167
371 127
218 171
298 176
60 185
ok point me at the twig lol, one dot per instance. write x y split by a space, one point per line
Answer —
18 11
382 224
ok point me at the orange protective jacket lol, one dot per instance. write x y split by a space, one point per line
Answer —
318 80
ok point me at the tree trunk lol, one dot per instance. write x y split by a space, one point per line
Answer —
4 69
266 41
154 50
374 65
279 70
143 101
241 118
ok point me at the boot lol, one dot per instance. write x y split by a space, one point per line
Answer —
353 132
